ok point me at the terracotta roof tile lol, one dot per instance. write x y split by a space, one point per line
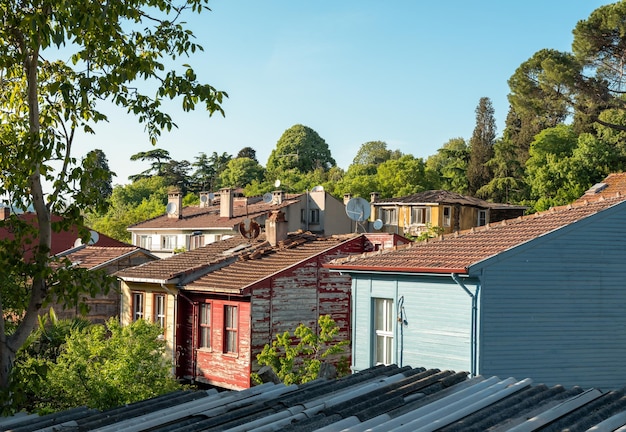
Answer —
613 185
441 197
255 266
186 262
209 217
456 252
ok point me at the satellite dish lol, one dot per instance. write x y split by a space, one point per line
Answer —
277 183
378 224
211 196
93 237
267 197
249 229
78 242
318 188
358 209
171 208
204 198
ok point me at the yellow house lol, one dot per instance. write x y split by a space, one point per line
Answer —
417 213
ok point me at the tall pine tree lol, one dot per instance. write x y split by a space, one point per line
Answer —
481 146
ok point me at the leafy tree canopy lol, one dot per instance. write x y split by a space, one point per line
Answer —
241 172
302 149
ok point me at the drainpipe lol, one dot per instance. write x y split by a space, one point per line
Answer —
474 330
174 335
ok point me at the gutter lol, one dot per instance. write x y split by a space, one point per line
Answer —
174 324
400 270
474 325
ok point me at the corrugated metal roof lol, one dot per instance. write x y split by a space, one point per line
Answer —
382 398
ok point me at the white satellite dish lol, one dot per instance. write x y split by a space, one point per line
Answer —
268 197
378 224
171 208
277 183
93 237
318 188
358 209
204 198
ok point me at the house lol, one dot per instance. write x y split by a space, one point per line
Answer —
450 211
221 303
380 399
540 296
109 259
222 215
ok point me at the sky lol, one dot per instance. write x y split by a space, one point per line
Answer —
406 72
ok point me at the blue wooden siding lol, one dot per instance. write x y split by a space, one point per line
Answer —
437 315
555 309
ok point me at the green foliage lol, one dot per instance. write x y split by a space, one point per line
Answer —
481 146
431 231
97 187
450 164
99 366
401 177
241 172
299 148
297 359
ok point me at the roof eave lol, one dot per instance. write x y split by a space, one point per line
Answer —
390 270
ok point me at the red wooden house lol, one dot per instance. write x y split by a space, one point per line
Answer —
229 304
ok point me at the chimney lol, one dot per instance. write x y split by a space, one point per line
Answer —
276 227
346 197
226 203
374 196
174 206
206 199
278 196
5 212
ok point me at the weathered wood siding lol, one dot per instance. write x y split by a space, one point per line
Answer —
555 309
433 324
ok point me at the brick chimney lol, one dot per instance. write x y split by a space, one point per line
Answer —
5 212
278 197
174 207
276 227
226 203
206 199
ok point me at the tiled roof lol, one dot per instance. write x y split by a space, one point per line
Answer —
613 185
442 197
382 398
196 217
456 252
258 264
187 262
91 257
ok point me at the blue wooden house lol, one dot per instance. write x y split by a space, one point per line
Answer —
542 296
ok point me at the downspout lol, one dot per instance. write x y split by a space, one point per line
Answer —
306 215
174 322
474 329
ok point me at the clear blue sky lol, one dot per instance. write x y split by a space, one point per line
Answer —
407 72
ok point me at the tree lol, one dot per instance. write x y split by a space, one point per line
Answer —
176 175
114 48
374 153
299 148
159 158
247 152
98 366
99 184
297 359
481 146
241 172
450 163
507 184
401 177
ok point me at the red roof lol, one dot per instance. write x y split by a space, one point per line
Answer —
455 253
91 257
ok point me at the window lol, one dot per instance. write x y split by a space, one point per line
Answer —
482 217
159 310
420 215
137 306
145 242
168 242
205 325
196 241
389 216
314 218
302 215
230 329
447 216
383 329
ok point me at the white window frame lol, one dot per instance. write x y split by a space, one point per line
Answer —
231 329
138 306
482 218
389 215
159 306
204 324
383 345
420 215
145 242
196 241
169 242
446 216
